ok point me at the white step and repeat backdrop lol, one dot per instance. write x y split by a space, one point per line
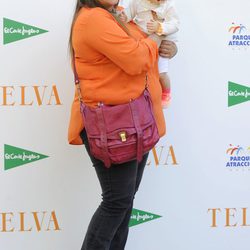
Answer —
196 188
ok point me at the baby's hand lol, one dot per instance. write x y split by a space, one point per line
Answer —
123 17
153 26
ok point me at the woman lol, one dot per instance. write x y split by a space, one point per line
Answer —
111 62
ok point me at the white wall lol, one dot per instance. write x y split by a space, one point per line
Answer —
47 204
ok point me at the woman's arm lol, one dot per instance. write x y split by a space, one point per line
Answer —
171 23
130 11
106 36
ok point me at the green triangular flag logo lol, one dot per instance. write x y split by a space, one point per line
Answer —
15 157
139 216
237 93
14 31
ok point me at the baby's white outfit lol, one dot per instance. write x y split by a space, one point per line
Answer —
142 11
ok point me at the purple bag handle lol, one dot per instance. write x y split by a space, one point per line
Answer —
76 78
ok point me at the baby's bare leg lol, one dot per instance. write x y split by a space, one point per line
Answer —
165 85
164 80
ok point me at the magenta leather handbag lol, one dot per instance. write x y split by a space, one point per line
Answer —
119 133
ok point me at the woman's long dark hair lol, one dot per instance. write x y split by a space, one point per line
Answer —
90 4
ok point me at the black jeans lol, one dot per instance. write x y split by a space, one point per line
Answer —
108 228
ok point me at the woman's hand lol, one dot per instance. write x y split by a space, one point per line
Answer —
167 49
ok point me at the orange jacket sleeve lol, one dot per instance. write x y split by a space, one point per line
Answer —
106 36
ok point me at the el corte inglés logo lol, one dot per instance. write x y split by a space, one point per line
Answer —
139 217
237 94
15 157
14 31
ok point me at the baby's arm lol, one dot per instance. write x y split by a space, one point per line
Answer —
130 11
153 26
171 23
123 17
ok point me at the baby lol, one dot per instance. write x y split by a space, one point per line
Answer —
156 17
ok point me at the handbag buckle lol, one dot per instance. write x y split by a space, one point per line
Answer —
123 136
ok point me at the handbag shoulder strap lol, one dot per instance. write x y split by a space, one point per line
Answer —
76 78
